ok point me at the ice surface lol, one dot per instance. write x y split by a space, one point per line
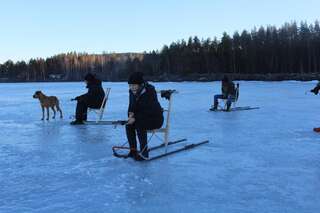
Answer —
264 160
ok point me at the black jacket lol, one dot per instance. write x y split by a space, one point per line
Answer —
146 108
228 88
95 94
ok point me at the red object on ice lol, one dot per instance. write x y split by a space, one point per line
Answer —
317 129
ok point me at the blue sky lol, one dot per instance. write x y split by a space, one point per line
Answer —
40 28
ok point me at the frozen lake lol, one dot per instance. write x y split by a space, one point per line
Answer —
264 160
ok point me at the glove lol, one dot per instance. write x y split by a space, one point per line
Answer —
166 94
75 99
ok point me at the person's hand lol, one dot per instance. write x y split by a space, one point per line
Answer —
131 114
131 120
76 98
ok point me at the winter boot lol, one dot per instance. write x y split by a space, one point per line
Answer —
132 154
214 107
228 107
137 157
77 122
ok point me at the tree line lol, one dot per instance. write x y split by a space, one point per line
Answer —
291 48
69 67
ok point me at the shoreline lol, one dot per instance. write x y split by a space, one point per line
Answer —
202 78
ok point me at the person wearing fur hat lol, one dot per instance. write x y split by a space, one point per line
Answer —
228 92
144 113
93 98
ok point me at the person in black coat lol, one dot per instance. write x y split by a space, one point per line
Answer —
93 98
144 113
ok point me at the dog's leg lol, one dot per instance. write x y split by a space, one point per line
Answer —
61 116
47 113
54 112
59 109
42 113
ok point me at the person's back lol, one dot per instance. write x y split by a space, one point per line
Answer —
95 93
228 88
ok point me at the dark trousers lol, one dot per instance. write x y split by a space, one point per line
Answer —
83 103
132 132
81 110
229 99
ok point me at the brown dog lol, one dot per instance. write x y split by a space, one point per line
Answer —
48 102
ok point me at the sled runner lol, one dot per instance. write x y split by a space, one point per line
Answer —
123 150
223 108
235 109
114 123
166 153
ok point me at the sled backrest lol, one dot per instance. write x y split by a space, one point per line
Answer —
100 111
237 92
168 95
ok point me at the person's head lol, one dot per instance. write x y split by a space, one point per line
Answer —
135 82
89 78
225 79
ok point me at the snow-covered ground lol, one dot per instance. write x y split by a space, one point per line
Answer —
264 160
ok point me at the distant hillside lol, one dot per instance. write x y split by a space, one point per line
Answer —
267 53
69 67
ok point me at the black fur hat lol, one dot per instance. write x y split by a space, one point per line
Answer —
89 77
136 78
225 79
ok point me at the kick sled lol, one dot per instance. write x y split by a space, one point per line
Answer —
163 148
234 109
100 111
223 107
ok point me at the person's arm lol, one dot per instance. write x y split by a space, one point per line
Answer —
316 89
131 100
78 98
149 104
131 118
83 96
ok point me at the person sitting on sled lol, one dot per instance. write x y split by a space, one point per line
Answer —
93 99
316 89
144 113
228 92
